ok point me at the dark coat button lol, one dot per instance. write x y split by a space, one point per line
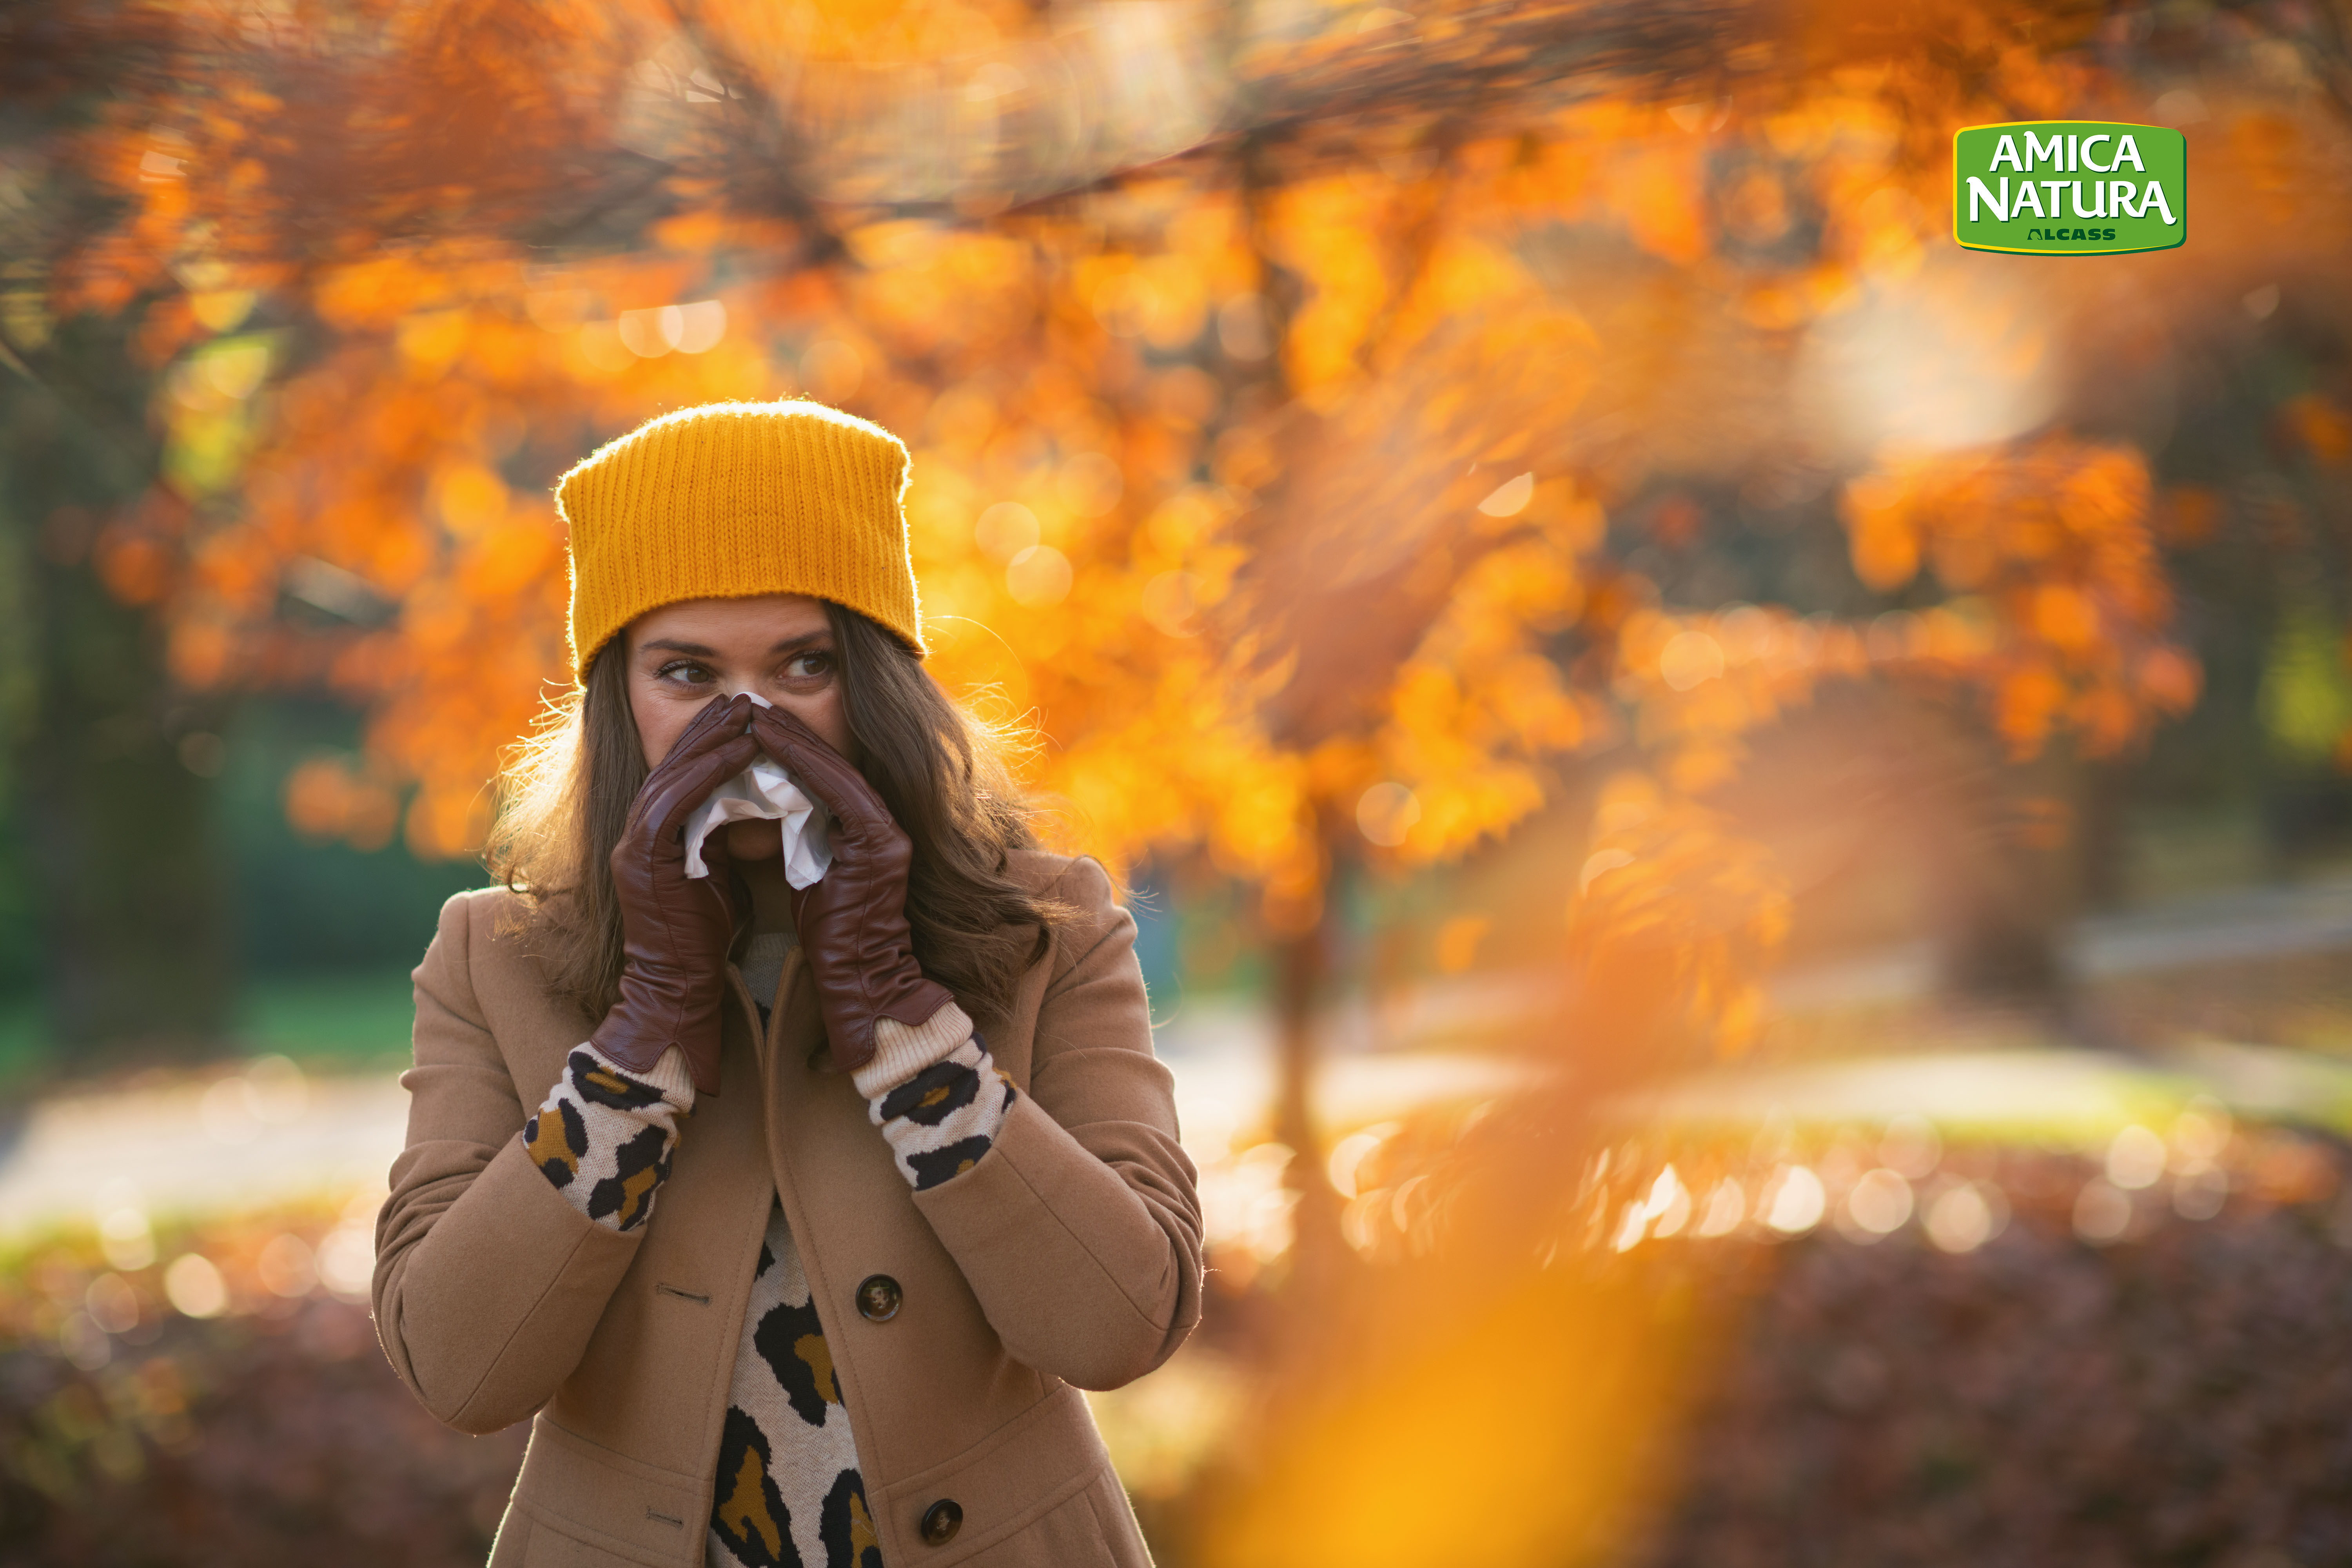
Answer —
878 1303
941 1520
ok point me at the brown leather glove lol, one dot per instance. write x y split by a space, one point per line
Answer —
675 928
853 922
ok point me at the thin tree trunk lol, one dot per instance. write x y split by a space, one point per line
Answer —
2007 883
1302 969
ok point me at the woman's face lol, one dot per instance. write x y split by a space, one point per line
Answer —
777 646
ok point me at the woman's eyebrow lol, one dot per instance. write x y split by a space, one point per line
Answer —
701 650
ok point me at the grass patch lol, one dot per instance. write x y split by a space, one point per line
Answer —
357 1019
23 1039
339 1021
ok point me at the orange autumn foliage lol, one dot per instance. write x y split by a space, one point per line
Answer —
2056 539
1254 477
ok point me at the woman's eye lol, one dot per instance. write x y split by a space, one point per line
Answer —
684 669
809 666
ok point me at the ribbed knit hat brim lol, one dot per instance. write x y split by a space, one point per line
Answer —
735 499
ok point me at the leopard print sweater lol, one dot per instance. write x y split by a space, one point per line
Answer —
789 1493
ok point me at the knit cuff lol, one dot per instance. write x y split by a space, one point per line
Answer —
902 1051
670 1077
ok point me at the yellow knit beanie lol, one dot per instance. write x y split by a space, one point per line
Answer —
734 500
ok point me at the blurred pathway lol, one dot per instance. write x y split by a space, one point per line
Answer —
2063 1097
266 1135
269 1135
2212 928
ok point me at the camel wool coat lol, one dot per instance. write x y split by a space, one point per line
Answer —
1067 1257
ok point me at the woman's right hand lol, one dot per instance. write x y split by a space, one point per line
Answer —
675 928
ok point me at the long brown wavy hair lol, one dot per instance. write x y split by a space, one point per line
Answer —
565 799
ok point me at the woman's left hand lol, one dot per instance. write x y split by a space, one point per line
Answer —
853 922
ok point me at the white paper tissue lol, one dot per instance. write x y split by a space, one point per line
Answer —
765 792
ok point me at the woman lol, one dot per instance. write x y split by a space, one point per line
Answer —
791 1217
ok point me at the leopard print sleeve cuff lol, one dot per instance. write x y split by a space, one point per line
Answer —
604 1137
902 1051
940 1121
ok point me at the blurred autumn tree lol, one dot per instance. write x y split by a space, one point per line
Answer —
1330 423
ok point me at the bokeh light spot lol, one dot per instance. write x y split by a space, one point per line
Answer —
1005 530
286 1268
1726 1205
1911 1146
112 1303
1510 497
1689 659
1880 1202
2102 1212
2136 1158
1038 577
196 1286
1386 813
1797 1201
1962 1218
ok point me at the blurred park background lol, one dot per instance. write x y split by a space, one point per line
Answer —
1740 819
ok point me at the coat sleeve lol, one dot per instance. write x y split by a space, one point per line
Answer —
487 1282
1081 1230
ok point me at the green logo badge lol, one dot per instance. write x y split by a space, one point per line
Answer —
2070 187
